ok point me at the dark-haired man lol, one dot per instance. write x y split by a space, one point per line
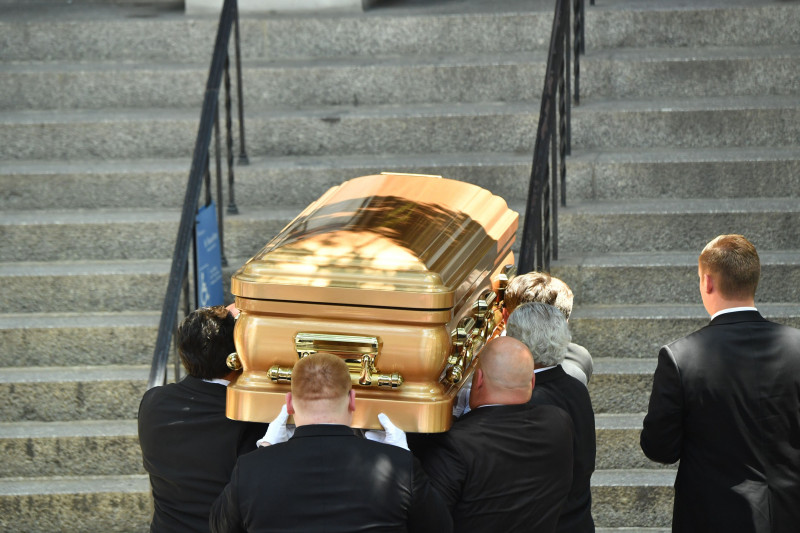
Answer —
325 478
188 445
726 403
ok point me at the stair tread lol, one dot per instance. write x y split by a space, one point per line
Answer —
60 374
74 484
634 477
656 259
702 103
145 165
670 310
10 321
683 206
86 428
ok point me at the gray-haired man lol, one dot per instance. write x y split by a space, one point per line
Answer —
543 329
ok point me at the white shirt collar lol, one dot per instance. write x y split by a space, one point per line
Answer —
218 381
537 370
732 310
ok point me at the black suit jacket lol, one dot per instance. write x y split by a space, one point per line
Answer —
189 448
726 402
504 468
326 479
556 387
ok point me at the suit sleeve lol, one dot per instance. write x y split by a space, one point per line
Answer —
428 512
662 433
446 470
225 516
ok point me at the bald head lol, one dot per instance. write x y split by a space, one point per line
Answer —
504 374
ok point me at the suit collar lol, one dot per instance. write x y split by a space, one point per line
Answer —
492 410
551 374
323 430
204 387
736 317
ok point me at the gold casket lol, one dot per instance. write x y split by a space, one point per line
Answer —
401 275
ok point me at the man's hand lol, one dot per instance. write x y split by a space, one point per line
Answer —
277 431
392 435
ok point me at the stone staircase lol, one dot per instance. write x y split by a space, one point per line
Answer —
689 127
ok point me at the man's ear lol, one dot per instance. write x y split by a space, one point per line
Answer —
289 406
708 282
505 315
351 402
477 379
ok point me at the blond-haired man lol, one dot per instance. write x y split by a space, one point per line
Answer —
726 403
325 478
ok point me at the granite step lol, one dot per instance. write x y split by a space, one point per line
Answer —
621 385
51 394
80 504
365 130
737 172
691 72
88 448
430 128
142 32
639 331
666 277
646 225
117 234
154 183
600 175
429 79
353 81
721 122
638 498
668 225
152 32
618 443
71 338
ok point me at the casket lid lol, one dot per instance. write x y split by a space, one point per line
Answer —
389 240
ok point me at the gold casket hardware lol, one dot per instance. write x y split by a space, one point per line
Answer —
359 353
470 336
233 362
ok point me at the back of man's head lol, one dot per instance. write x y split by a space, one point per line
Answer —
504 374
538 287
321 386
543 329
205 339
733 261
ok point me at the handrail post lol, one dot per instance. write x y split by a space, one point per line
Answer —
243 159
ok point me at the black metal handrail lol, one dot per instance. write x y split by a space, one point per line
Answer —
548 180
200 175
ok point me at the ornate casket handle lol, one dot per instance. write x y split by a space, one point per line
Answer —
358 352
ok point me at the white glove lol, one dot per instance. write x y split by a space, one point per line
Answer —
392 435
461 405
278 431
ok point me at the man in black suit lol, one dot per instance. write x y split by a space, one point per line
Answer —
543 288
188 445
325 478
726 403
506 465
543 329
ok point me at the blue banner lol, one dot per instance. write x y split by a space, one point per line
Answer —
208 257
